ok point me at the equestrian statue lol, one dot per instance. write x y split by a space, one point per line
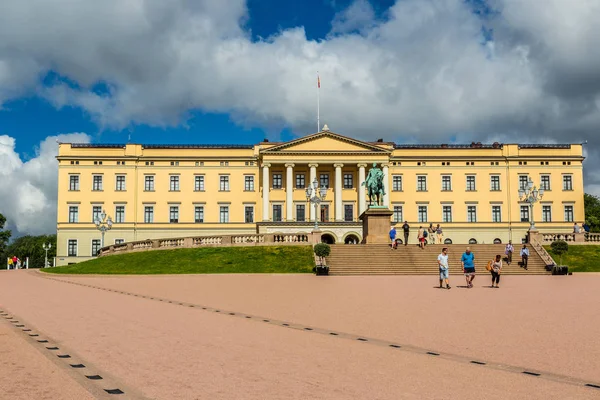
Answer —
375 187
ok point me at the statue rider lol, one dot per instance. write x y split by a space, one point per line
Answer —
374 184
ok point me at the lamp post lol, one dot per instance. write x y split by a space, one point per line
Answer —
531 195
46 247
103 224
316 196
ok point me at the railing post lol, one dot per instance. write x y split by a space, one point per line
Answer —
155 244
226 240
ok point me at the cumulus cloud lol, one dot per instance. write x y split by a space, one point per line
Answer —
28 189
425 73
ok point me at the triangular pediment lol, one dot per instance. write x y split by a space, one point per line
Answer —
326 142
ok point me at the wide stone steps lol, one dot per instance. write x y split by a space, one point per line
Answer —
411 260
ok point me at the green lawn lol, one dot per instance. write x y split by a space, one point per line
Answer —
208 260
584 258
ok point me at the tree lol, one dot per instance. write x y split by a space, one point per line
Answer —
32 247
592 211
322 250
4 236
559 248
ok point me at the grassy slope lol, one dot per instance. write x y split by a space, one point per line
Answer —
209 260
580 258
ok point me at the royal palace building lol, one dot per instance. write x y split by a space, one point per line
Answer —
162 191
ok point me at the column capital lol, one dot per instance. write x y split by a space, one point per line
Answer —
266 164
290 165
313 165
362 165
338 165
385 165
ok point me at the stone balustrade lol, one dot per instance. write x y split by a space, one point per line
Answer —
213 241
571 238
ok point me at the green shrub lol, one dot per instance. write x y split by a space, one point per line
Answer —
559 248
322 250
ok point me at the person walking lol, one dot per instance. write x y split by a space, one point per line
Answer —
406 229
439 233
443 265
421 237
524 256
393 237
431 234
496 270
508 251
468 263
10 263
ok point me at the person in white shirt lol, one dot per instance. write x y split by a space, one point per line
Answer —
524 256
508 251
443 265
576 228
496 270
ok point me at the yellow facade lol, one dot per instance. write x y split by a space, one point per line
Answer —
471 190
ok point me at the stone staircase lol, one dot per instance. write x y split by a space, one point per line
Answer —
377 259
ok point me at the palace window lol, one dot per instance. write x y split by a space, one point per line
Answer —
495 183
174 214
470 183
348 184
119 214
422 213
421 183
348 212
397 216
277 181
73 214
249 214
72 248
471 213
175 163
249 183
120 182
97 182
95 247
199 214
496 214
545 182
199 183
148 214
524 213
567 182
446 183
174 186
324 212
546 213
300 212
73 182
119 241
446 213
397 183
149 183
300 181
224 183
224 214
96 211
277 212
523 182
324 180
568 213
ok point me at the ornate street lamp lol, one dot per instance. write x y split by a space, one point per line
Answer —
103 224
46 247
530 195
316 196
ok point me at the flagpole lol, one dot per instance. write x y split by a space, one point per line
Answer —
318 102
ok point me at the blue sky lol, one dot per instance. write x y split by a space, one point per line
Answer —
31 119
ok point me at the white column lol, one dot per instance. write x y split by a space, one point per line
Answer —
289 191
386 185
266 191
312 177
338 192
362 203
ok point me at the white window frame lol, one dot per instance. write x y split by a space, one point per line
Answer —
174 183
248 184
117 221
296 212
223 183
198 183
277 176
75 218
469 219
449 188
69 247
572 219
151 214
397 183
223 214
344 205
419 219
444 219
198 209
246 207
74 181
492 189
124 183
395 217
544 219
99 187
280 205
171 207
570 180
500 212
468 181
549 188
149 183
525 208
92 247
419 187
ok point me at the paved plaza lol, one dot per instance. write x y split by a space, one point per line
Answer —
298 337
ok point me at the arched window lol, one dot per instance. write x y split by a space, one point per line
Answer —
497 241
448 241
327 238
472 241
351 239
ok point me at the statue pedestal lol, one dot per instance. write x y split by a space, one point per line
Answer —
376 225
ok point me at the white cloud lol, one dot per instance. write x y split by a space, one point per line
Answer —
422 74
28 189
